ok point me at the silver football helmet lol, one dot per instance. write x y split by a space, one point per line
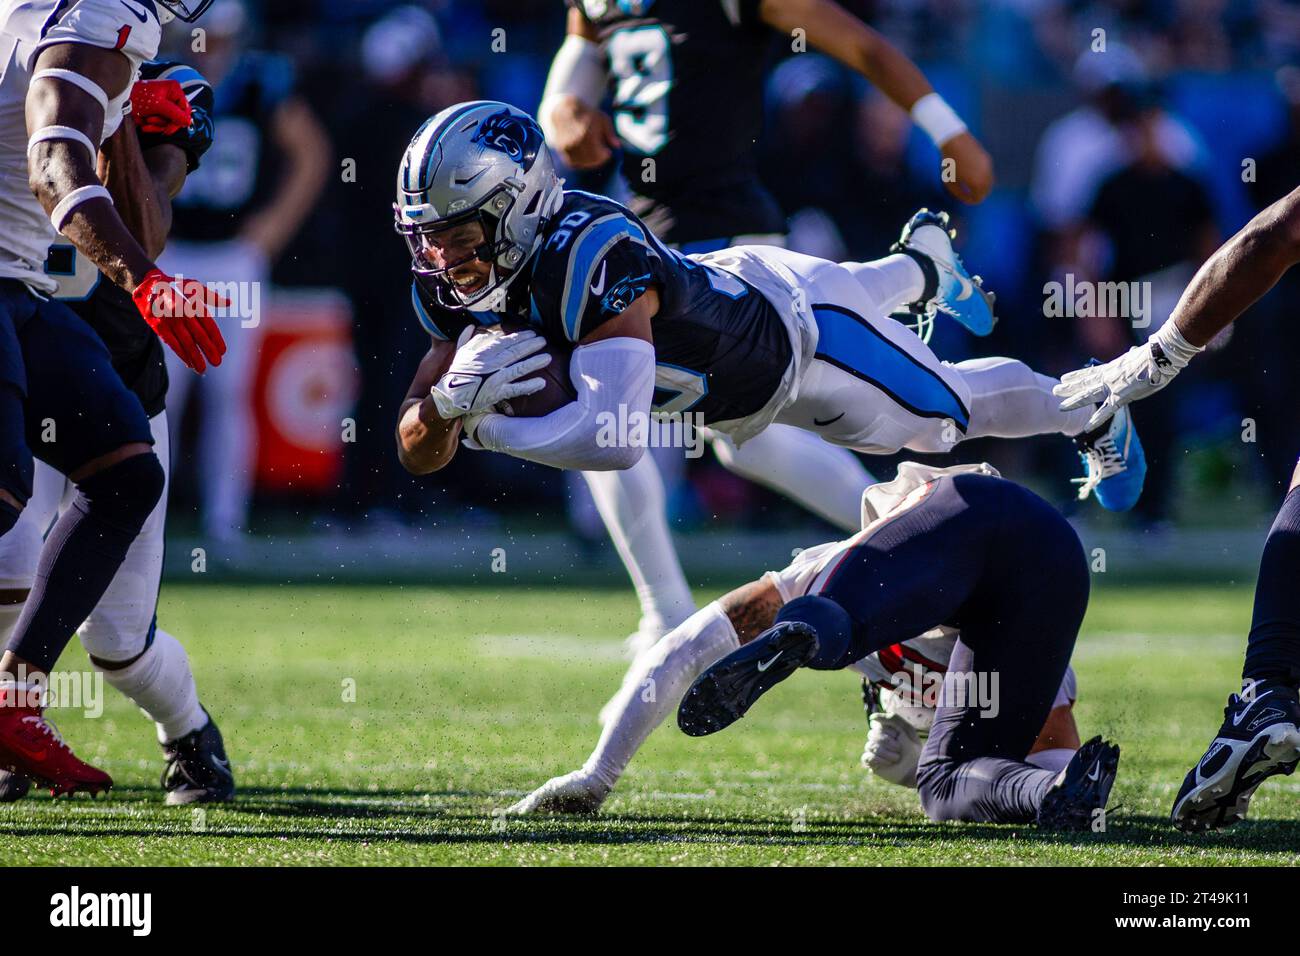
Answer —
482 162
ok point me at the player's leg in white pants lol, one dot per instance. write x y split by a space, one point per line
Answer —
824 478
875 386
227 437
21 547
144 662
634 508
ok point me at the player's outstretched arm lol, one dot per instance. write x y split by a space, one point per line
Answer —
426 441
838 33
612 371
570 113
1242 270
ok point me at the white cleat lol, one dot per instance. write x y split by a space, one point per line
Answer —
575 792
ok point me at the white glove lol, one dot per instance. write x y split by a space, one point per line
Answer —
1141 371
893 749
487 369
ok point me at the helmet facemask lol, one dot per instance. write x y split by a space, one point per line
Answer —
504 256
186 10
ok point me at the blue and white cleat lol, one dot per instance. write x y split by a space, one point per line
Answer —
1260 737
949 287
725 692
1115 464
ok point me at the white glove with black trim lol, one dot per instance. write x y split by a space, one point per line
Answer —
893 749
487 369
1141 371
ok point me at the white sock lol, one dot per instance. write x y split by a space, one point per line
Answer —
160 684
665 673
1054 760
9 614
891 282
826 479
1010 400
634 507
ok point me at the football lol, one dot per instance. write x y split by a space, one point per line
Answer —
558 392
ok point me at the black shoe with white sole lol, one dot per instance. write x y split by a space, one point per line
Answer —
723 693
197 769
1083 788
1260 737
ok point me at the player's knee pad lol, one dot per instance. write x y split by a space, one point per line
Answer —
125 494
833 625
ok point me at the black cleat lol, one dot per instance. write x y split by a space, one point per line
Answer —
197 769
1082 789
13 786
1260 737
723 693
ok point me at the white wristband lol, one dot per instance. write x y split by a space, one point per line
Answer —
1177 349
63 209
939 120
578 70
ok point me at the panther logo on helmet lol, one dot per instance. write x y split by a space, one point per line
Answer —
518 138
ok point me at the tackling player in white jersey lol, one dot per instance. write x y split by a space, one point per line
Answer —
66 71
903 681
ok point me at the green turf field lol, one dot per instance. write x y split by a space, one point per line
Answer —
466 698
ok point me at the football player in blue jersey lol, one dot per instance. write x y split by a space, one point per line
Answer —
737 339
1260 734
666 67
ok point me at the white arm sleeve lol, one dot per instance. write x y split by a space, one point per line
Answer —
578 70
604 429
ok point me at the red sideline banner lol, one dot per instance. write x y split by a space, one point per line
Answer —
304 389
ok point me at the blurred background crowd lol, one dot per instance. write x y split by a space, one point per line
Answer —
1129 137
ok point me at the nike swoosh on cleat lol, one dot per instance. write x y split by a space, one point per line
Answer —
966 287
598 286
764 665
830 421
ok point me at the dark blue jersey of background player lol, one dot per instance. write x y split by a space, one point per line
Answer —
137 352
242 171
687 92
720 346
684 79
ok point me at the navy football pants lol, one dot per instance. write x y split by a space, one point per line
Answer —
989 557
61 400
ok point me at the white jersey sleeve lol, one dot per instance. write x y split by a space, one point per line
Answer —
129 26
26 28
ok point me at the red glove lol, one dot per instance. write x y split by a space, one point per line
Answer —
178 310
160 106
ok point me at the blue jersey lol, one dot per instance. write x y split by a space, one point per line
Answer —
721 348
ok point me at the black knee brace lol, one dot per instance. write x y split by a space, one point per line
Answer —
125 494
